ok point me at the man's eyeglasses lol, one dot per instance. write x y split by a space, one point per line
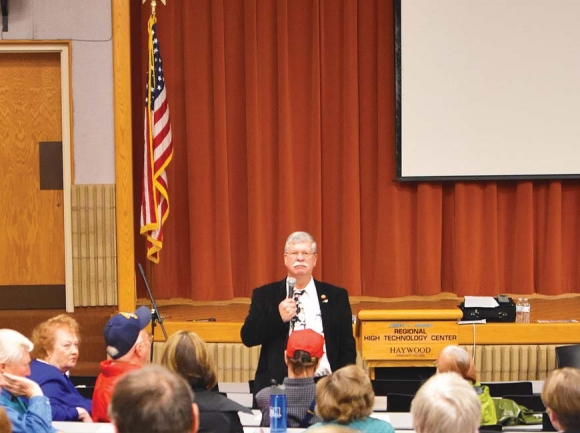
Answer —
148 340
295 254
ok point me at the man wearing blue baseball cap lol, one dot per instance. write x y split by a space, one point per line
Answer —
129 348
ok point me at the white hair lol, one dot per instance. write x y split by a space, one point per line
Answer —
11 345
446 403
297 237
456 352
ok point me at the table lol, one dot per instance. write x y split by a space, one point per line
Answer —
83 427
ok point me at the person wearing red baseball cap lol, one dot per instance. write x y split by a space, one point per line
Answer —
303 353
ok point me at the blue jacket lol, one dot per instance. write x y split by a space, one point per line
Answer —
64 397
36 417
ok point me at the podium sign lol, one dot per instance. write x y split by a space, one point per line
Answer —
398 341
392 338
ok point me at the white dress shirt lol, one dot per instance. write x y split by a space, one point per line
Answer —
313 320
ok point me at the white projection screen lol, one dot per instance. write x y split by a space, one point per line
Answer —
487 89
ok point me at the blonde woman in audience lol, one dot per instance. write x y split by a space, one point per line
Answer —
446 403
56 351
457 360
561 396
186 354
346 398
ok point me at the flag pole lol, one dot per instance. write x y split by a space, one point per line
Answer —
154 5
158 150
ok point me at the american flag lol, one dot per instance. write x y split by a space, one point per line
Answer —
158 151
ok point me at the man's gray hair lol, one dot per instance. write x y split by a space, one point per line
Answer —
12 344
446 403
298 237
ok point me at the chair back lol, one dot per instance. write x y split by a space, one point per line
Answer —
532 402
83 380
501 389
85 385
568 356
546 423
404 373
386 387
399 402
490 428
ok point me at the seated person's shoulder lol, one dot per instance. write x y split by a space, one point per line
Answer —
263 397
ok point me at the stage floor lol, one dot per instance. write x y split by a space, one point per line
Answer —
230 315
561 307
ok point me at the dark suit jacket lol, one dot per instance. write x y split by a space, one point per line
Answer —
217 413
265 326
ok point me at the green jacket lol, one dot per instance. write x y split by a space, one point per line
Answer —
488 412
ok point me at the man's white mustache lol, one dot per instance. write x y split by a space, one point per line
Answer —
295 265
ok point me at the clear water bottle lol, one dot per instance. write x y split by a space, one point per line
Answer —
278 410
519 312
526 311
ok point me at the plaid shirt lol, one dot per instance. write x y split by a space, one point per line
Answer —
299 395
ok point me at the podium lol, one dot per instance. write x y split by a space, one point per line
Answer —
405 338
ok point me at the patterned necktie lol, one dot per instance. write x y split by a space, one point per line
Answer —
298 321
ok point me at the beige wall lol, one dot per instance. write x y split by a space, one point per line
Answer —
88 24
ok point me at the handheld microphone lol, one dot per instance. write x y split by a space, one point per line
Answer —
291 283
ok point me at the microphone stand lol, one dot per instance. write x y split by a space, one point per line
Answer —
155 315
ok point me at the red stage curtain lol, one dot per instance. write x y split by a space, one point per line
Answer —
283 118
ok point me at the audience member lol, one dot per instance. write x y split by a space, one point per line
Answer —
303 352
35 416
276 309
5 426
346 398
129 346
457 360
446 403
56 351
187 355
561 396
153 400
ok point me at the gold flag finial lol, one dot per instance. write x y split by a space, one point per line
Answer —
154 5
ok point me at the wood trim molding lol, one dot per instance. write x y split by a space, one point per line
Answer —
519 333
409 315
126 290
485 334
